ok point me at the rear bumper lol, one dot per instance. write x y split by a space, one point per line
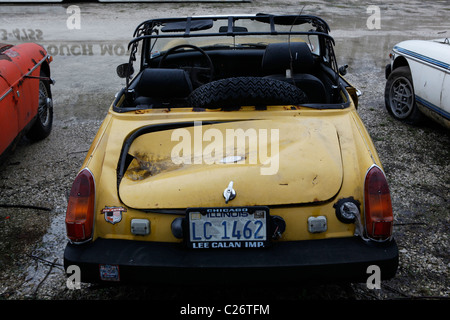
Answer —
329 260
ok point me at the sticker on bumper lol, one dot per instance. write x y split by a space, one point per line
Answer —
109 272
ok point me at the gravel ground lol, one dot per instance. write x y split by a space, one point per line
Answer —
36 178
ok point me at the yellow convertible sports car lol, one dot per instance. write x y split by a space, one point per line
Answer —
234 152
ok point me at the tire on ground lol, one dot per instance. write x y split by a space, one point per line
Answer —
409 113
44 120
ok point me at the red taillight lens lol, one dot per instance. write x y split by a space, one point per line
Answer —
377 205
80 209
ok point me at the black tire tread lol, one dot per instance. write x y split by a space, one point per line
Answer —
246 91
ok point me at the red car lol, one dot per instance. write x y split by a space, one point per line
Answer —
26 106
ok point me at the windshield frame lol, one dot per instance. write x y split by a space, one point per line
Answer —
149 31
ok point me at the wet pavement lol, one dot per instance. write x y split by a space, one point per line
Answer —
84 68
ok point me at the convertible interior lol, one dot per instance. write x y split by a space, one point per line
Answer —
172 77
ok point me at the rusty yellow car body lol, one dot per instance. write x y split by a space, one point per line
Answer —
156 168
320 183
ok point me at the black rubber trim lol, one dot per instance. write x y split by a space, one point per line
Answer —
328 260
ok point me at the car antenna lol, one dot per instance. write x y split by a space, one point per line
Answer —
291 59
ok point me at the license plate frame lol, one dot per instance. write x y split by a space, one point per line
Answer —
227 227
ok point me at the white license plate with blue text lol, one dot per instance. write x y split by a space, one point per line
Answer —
228 227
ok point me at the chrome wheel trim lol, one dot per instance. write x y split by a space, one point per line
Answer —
401 97
44 105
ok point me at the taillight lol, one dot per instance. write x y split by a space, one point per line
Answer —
377 205
80 209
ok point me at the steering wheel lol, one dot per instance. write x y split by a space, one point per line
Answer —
199 75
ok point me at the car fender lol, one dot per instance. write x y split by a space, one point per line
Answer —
19 88
429 62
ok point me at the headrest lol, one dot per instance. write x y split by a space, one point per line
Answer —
163 83
279 56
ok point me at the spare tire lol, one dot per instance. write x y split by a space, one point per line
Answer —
246 91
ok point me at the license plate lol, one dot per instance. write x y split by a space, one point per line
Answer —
227 227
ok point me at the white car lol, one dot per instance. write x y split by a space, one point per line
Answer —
418 81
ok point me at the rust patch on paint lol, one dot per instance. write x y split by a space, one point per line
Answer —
144 166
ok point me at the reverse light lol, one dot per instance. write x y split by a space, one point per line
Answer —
80 209
377 205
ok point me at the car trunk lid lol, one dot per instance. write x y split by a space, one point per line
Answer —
271 162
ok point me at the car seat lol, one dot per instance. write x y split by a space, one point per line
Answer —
280 59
